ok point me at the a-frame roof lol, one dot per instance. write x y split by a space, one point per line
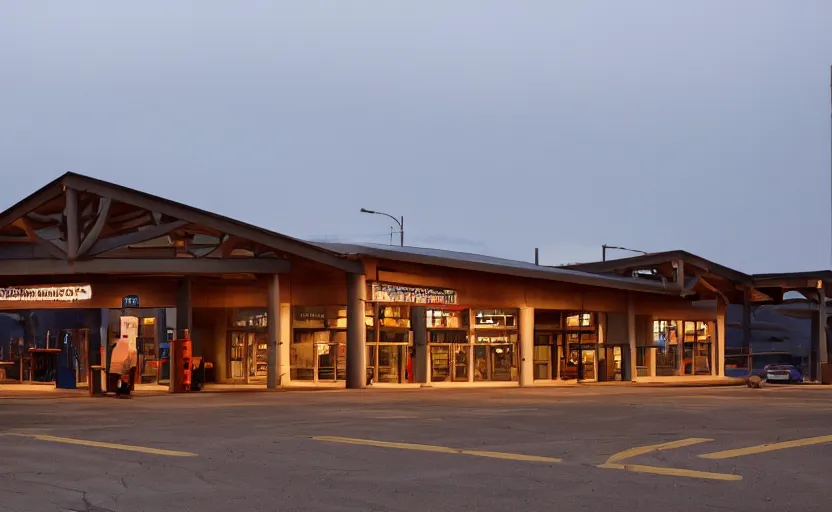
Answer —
660 258
168 214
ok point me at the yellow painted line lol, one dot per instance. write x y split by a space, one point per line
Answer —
112 446
770 447
643 450
614 462
685 473
437 449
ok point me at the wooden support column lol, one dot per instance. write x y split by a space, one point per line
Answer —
273 312
356 331
73 233
718 351
526 347
284 345
628 355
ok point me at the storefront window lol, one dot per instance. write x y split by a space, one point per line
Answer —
697 345
445 319
579 360
449 344
247 343
319 341
148 351
394 316
666 340
580 320
495 345
542 360
250 318
388 351
495 318
548 326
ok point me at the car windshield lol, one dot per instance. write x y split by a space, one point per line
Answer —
778 367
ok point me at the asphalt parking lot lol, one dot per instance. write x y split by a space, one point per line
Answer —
579 449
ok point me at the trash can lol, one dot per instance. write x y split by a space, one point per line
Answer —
95 380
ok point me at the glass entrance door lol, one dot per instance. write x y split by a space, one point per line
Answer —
258 347
331 361
503 363
248 357
237 356
580 362
543 357
391 361
496 362
461 362
440 362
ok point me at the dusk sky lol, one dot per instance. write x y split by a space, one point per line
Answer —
492 126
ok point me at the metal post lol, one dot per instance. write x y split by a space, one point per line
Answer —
746 325
401 231
604 252
536 256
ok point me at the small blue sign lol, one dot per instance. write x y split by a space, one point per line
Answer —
130 301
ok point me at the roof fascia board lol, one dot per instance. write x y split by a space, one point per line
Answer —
573 277
43 195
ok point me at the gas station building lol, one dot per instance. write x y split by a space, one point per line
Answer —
261 308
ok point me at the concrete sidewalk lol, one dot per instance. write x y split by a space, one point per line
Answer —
30 391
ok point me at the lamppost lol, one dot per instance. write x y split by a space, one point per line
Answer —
399 222
605 247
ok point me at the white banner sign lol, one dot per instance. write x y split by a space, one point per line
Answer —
65 293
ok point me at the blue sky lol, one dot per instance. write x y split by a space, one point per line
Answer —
491 126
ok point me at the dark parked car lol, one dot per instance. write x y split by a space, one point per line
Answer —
785 373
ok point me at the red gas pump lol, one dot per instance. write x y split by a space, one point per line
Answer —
182 357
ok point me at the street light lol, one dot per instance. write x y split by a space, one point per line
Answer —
399 222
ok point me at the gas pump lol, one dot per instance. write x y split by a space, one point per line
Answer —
182 362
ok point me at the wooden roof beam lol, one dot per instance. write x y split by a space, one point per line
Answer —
50 247
27 205
95 231
145 235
